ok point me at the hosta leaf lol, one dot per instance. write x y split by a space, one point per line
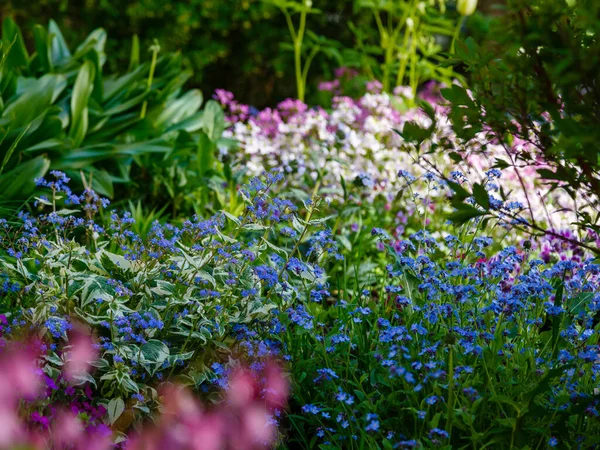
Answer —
19 183
59 50
82 90
12 39
213 120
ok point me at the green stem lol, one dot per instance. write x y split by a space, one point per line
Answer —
154 49
459 25
450 391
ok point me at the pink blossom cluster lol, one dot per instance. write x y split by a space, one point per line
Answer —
22 385
355 140
243 420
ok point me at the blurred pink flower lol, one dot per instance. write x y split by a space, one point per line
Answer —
80 356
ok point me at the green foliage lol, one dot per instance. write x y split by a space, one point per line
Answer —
393 359
232 43
412 36
124 131
535 74
245 46
167 302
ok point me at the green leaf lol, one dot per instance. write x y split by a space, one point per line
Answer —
59 51
32 103
460 193
19 183
12 148
12 39
464 213
134 57
114 409
95 41
412 132
155 351
102 183
213 120
205 154
82 90
42 48
231 217
481 196
557 319
177 110
457 95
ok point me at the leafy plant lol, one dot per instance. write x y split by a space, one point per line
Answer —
408 42
449 348
61 111
533 89
173 302
298 33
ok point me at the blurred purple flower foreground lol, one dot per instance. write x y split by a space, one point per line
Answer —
241 421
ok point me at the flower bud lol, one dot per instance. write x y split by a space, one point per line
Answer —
466 7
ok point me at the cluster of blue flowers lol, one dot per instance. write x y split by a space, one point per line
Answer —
478 309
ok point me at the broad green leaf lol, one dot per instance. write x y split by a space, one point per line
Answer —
213 120
12 39
464 213
84 157
98 91
12 148
179 109
19 183
114 409
155 352
481 196
43 48
33 102
102 183
206 154
84 84
96 40
59 51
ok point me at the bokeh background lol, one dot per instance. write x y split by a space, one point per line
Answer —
240 45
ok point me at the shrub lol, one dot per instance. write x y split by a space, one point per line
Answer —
138 130
174 302
533 90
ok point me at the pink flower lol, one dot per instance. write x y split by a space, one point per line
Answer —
222 96
11 429
241 389
277 386
80 356
20 378
67 429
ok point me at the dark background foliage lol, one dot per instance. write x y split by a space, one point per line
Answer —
233 44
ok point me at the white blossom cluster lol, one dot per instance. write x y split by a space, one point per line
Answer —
356 140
